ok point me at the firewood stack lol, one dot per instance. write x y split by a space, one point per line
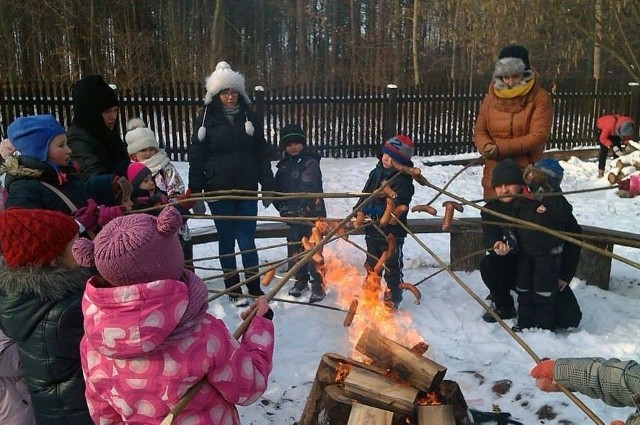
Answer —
399 386
625 165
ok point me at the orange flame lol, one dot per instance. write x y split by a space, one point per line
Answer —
347 282
430 399
342 371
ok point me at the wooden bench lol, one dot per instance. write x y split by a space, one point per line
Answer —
466 238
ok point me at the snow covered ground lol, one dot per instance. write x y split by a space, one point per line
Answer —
476 354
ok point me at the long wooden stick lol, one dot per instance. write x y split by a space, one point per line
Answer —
191 392
502 323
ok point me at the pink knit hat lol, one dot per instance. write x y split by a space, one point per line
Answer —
135 248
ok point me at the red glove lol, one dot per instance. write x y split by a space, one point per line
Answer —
187 205
107 214
88 215
543 372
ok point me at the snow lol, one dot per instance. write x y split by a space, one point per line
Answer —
476 354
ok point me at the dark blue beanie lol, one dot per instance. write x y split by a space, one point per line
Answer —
31 135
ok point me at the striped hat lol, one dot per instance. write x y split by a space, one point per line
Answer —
400 149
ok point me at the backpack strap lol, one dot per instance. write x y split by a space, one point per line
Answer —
62 196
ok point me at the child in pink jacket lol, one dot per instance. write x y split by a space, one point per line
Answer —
148 336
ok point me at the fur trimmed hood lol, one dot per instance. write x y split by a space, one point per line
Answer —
47 284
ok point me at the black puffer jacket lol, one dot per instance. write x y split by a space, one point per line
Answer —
229 158
501 231
25 190
97 152
300 173
40 309
552 212
402 185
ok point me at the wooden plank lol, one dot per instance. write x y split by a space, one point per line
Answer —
368 415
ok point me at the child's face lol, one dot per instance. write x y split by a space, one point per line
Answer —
144 154
110 117
59 152
507 189
387 162
294 148
148 184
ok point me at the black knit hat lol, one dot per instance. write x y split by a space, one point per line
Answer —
291 133
515 51
92 96
506 171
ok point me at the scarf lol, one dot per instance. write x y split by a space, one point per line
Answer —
230 112
501 90
157 162
196 309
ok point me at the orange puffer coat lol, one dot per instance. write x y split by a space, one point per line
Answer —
519 127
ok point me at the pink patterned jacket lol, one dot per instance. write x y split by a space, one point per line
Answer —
133 378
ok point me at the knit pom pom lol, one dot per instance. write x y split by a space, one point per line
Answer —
135 123
169 221
248 127
202 132
82 251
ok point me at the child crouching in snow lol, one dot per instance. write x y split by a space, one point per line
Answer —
148 336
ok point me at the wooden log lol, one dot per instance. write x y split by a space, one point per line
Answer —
435 414
368 415
335 406
593 267
326 376
405 365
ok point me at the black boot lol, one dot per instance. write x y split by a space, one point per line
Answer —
299 288
507 313
317 292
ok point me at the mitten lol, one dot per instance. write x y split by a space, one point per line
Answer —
262 309
187 205
106 214
543 372
617 151
199 208
88 216
491 151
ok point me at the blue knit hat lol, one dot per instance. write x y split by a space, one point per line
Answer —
554 171
31 135
400 149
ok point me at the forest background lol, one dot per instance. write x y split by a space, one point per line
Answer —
281 43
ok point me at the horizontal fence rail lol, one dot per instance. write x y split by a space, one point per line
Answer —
341 121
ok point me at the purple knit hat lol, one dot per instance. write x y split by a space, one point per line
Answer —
135 248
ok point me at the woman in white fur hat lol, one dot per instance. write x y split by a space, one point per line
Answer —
228 151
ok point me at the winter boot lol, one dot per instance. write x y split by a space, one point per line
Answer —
317 293
507 313
238 301
600 174
299 288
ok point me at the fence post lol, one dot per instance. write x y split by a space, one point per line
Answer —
391 125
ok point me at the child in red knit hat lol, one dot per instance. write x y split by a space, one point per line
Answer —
40 309
148 336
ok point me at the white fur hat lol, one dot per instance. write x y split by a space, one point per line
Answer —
224 78
139 136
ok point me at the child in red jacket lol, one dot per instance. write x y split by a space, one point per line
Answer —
613 131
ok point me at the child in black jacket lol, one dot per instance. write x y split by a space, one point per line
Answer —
546 263
299 171
399 149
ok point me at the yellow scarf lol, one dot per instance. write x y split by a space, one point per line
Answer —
514 91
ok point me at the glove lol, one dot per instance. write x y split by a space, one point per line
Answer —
491 151
106 214
617 151
199 208
186 205
158 199
373 210
543 372
88 215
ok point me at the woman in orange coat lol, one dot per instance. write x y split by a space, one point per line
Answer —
515 117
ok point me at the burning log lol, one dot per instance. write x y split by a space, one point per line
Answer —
406 365
350 314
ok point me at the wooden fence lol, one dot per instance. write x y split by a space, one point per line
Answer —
341 121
